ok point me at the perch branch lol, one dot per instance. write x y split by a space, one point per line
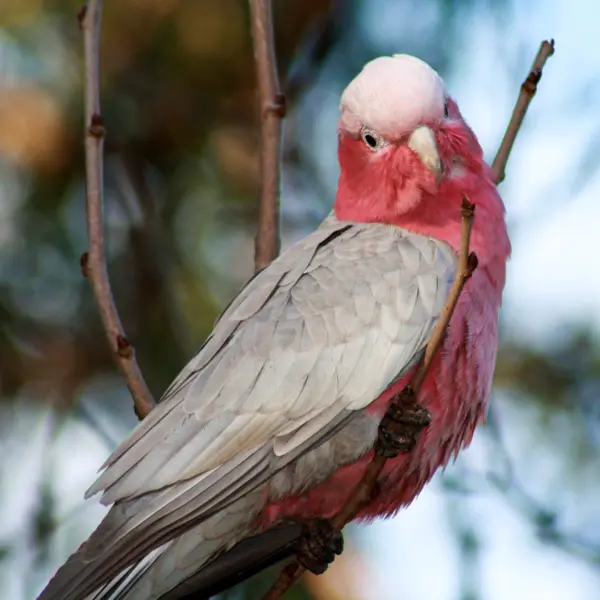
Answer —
272 111
93 262
363 492
528 90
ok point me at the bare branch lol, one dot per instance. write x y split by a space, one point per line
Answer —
93 263
528 90
364 491
272 111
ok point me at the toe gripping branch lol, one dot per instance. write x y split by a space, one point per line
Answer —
401 425
318 545
398 433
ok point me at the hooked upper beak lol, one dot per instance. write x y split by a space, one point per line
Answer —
422 141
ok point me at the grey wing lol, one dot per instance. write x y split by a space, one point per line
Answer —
315 336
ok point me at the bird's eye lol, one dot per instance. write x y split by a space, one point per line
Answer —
371 139
446 109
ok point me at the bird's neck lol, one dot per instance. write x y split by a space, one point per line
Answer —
435 215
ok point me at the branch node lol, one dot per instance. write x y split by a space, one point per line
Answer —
81 13
84 264
277 106
467 208
529 86
124 348
472 263
96 128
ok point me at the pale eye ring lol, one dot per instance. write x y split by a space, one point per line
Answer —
372 139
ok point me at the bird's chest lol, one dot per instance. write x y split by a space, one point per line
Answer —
455 392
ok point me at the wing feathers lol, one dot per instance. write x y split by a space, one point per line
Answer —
318 334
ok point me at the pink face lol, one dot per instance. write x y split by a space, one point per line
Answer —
407 158
383 179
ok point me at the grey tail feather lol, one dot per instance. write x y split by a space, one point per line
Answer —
245 559
119 587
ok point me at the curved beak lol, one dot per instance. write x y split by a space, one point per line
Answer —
422 141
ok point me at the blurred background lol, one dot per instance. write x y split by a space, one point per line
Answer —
518 515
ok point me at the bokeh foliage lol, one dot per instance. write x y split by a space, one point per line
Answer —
178 93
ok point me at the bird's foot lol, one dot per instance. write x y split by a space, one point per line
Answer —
318 545
401 425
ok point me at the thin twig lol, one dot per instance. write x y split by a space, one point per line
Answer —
363 492
272 111
93 262
528 90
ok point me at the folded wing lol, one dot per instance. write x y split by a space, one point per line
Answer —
313 338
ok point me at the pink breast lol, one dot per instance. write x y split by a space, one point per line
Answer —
455 393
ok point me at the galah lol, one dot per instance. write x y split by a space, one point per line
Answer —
273 421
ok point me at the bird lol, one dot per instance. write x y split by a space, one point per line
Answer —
265 431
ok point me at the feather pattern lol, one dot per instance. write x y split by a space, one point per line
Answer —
296 353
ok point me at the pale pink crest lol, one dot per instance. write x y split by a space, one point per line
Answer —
392 95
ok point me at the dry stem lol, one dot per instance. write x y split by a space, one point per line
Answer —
93 262
272 111
363 492
528 90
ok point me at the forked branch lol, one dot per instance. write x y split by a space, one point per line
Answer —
272 111
528 90
93 262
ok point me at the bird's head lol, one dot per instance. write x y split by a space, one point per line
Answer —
407 157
